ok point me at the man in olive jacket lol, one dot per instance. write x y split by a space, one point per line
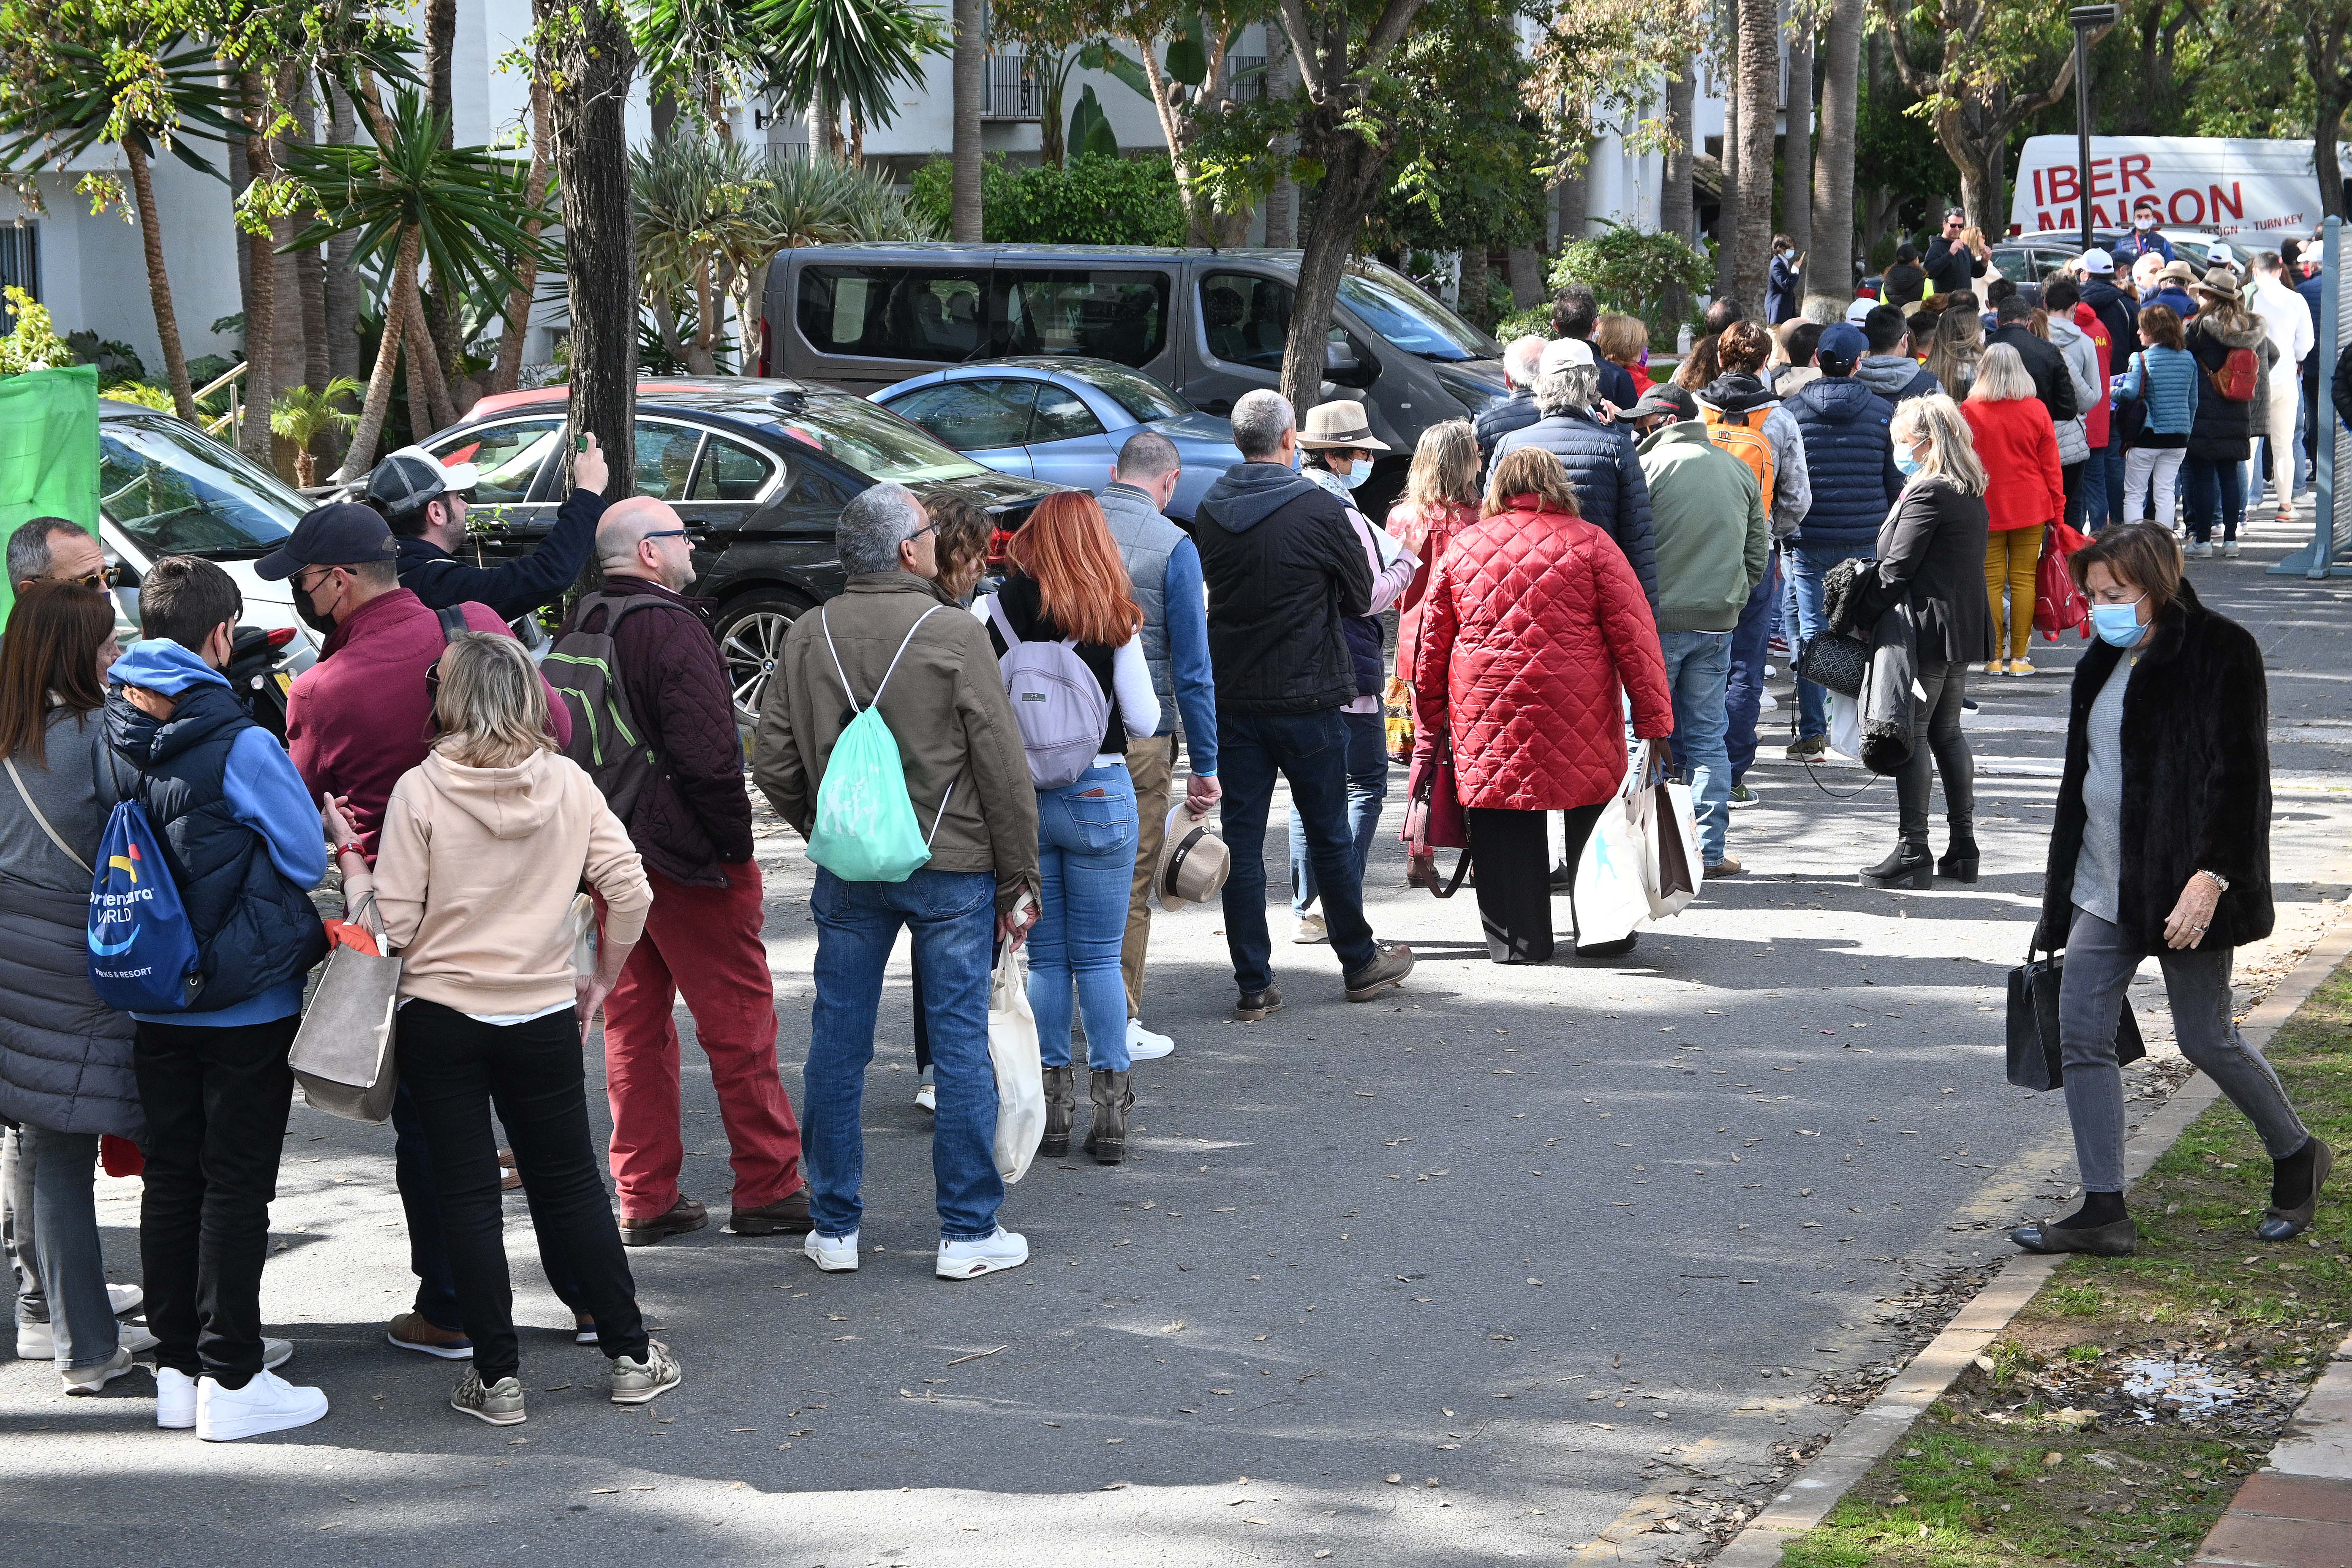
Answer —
968 779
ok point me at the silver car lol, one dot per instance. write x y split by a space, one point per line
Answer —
1063 420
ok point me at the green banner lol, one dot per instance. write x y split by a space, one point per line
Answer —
48 452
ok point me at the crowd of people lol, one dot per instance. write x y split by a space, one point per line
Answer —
1597 556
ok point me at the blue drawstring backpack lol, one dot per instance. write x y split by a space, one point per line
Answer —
143 952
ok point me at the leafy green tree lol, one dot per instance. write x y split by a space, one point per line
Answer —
1090 200
304 413
832 57
1635 273
704 54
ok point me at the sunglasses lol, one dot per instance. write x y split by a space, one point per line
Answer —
99 582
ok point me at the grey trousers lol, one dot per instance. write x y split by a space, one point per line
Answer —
16 1227
2100 960
52 1184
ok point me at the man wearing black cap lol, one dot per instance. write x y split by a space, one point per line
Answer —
355 721
425 502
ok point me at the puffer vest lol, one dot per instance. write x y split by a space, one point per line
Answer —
1146 539
255 931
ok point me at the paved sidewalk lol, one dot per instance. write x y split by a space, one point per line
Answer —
2297 1512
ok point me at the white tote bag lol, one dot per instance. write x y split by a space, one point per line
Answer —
1020 1072
1671 868
1611 899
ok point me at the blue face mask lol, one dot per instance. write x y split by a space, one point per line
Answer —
1906 462
1357 473
2117 623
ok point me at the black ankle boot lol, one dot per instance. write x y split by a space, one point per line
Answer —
1910 866
1959 861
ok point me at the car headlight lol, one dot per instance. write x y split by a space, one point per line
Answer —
1475 396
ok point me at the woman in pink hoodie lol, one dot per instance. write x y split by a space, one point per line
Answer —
484 847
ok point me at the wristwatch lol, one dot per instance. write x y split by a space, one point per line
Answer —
2219 881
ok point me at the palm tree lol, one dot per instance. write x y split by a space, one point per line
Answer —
1830 274
303 414
1759 81
971 65
134 85
832 57
413 201
702 53
697 234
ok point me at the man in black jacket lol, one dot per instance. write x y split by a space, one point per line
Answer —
2119 313
1951 266
1573 314
1283 566
2052 382
425 502
1518 411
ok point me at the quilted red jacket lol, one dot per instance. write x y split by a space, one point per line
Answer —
1534 627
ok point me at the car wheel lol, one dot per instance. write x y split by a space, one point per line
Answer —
750 631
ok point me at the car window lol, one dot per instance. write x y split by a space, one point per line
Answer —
1395 306
508 458
874 441
1247 318
176 491
730 472
1144 397
1062 415
972 415
895 312
1120 316
2013 265
665 458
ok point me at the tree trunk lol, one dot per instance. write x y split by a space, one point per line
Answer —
1797 140
361 454
588 48
1282 200
1523 266
1759 89
254 437
1830 275
1574 194
1677 208
970 80
506 374
444 338
2324 32
1052 131
1727 213
1354 171
440 43
159 282
2326 127
343 281
440 404
699 358
1471 294
311 283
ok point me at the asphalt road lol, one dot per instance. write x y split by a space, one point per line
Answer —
1449 1279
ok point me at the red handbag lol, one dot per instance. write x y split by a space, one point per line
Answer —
2058 603
1434 820
118 1156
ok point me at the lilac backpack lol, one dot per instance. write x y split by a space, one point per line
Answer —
1057 701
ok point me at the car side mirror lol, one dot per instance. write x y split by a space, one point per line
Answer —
1340 360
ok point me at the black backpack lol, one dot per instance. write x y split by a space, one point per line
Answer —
607 742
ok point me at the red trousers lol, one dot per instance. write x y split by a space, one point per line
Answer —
704 942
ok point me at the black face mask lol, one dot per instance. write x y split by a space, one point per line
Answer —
323 625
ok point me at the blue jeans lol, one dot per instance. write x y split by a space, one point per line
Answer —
1811 564
952 916
1699 673
1086 862
1310 750
2111 480
1744 696
1367 786
2088 512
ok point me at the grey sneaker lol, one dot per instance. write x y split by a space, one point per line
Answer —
94 1378
642 1382
499 1403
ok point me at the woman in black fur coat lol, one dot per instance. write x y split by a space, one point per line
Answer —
2162 846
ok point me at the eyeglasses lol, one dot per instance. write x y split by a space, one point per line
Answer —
671 533
99 582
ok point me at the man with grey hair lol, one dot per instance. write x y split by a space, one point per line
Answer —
2289 325
1602 465
887 643
1521 357
50 548
1283 567
691 823
1164 568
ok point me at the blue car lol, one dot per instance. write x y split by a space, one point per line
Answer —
1063 420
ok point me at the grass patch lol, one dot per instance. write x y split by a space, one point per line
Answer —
2114 1420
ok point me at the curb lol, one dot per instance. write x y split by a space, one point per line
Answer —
1875 1428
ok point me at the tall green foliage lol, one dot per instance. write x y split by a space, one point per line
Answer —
846 57
1631 272
1091 200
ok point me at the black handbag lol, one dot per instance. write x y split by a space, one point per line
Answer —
1834 660
2035 1061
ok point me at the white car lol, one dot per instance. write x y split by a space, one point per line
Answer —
165 488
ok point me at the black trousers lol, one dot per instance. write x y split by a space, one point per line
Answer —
1937 733
453 1069
428 1255
1514 872
216 1102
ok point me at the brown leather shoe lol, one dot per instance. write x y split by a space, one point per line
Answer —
684 1215
416 1331
1061 1101
788 1215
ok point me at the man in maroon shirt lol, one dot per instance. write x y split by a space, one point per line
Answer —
693 827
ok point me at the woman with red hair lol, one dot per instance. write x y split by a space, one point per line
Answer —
1069 583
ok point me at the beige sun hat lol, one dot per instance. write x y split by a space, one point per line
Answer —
1340 425
1193 861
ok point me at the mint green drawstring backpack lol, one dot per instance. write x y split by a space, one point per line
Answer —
866 829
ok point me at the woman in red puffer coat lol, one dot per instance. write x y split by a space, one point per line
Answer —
1534 627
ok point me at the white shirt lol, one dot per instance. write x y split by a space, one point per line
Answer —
2287 320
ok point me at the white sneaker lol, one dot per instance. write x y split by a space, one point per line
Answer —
175 1399
928 1096
39 1341
971 1259
834 1253
124 1297
2229 551
267 1403
2200 551
1143 1045
94 1378
1310 929
1767 703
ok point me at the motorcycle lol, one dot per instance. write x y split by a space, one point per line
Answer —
260 671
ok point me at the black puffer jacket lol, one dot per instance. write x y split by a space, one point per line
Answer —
1610 490
1498 419
1283 567
2224 429
2196 779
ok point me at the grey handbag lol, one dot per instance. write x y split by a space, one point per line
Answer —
342 1053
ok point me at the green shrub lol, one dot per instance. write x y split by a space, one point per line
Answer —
31 342
115 361
1090 200
1630 272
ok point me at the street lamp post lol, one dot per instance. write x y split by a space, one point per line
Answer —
2088 20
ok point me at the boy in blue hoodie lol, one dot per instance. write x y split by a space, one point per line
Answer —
242 841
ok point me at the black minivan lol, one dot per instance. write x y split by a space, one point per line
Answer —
1210 324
